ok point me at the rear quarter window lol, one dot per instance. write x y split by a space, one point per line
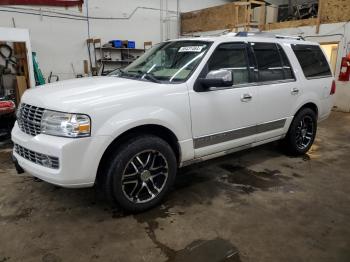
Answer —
312 61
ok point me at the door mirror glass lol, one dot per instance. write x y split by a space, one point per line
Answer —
218 78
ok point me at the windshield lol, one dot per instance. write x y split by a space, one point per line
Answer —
167 62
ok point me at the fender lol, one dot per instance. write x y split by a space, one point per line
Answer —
131 118
303 100
139 116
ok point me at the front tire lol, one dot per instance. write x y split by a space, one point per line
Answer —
140 173
302 132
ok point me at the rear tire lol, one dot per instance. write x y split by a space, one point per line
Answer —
140 173
301 133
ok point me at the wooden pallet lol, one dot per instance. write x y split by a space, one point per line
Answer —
246 6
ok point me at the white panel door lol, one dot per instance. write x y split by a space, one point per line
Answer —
277 90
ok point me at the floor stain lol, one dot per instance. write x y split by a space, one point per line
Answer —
287 165
216 250
195 187
150 219
187 177
248 180
24 213
297 175
6 160
306 157
50 257
150 230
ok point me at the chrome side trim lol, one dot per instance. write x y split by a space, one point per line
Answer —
229 151
223 137
271 126
238 133
215 155
318 77
251 84
265 83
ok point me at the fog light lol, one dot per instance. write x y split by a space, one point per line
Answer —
46 161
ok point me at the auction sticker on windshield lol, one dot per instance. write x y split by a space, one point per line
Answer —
191 49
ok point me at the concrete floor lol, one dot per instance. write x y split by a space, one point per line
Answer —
256 205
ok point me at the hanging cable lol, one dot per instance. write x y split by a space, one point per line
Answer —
67 15
44 15
87 18
307 36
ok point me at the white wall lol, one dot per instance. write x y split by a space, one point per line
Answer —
61 42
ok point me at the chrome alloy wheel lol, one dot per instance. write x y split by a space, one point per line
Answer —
145 176
304 132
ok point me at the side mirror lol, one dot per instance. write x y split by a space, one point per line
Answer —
217 78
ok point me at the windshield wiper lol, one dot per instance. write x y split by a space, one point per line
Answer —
150 77
147 76
116 72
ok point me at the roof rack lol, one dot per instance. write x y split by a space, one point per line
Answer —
267 34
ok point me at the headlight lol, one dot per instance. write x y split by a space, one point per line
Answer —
65 124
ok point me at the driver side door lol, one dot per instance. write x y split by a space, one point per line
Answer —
224 118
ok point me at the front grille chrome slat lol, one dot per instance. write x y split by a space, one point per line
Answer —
29 119
37 158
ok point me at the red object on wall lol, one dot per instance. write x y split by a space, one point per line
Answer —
43 2
7 107
344 74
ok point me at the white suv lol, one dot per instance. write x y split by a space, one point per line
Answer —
183 101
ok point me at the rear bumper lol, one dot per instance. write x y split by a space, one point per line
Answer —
78 158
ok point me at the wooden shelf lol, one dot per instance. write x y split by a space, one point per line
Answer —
122 62
115 48
115 61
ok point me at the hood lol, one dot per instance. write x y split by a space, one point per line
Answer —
80 94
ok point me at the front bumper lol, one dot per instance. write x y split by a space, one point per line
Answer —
78 158
19 169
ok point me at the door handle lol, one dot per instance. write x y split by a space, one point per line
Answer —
246 97
295 91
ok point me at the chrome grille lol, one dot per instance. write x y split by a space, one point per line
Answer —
37 158
29 119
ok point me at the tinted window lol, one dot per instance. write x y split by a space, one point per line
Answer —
269 62
287 69
312 60
231 56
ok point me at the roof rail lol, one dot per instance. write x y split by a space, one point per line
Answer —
267 34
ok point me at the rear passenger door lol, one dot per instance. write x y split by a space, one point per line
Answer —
276 87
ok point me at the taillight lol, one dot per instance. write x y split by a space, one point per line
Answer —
333 88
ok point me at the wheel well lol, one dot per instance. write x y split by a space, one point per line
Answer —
310 105
156 130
